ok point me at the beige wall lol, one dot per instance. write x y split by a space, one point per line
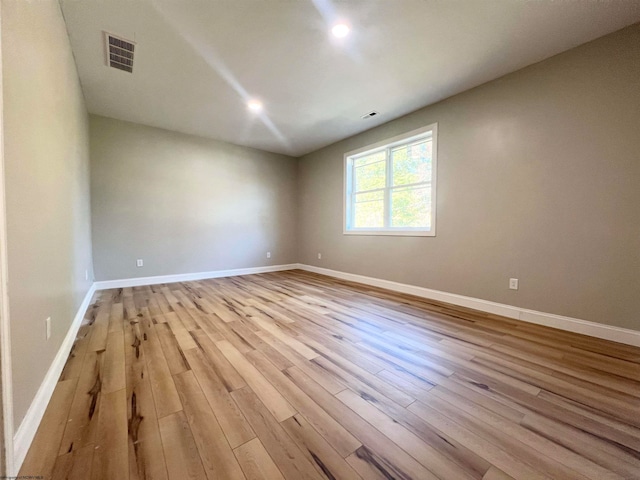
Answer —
3 464
186 204
539 179
47 188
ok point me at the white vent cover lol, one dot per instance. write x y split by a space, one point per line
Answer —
369 115
119 52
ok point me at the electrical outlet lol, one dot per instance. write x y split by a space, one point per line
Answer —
319 256
47 324
268 254
139 263
86 274
513 283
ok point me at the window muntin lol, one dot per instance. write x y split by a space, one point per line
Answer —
390 187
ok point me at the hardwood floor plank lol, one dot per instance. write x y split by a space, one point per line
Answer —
42 455
415 389
172 350
373 467
270 397
495 455
207 323
623 462
111 455
100 327
573 372
230 377
394 457
283 450
164 390
180 450
599 422
114 364
328 347
616 404
547 448
538 404
440 465
82 419
496 474
75 465
74 364
416 359
146 457
129 311
362 381
216 455
324 378
443 444
116 318
231 420
276 330
249 335
339 438
321 454
256 462
181 323
606 364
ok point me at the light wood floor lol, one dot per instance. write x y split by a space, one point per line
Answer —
299 376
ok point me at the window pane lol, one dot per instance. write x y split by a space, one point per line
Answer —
411 207
368 210
412 163
369 176
371 158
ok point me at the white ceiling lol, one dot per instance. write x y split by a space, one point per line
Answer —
199 61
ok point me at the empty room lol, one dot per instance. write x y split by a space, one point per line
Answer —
320 239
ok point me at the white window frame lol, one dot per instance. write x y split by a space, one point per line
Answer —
347 197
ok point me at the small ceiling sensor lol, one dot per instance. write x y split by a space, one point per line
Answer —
340 30
373 113
254 105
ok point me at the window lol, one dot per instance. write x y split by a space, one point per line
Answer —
390 187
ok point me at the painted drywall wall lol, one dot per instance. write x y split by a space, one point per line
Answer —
3 406
538 179
46 142
185 204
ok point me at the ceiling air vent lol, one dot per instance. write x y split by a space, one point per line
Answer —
119 52
369 115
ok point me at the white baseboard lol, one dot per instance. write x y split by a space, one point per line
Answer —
189 277
593 329
29 426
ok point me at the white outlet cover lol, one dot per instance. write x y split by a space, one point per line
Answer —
268 254
319 256
139 263
47 323
513 283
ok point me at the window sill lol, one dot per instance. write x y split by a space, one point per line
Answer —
396 233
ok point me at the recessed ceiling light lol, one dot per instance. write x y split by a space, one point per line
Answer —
340 30
254 105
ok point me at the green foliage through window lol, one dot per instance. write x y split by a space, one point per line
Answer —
391 187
